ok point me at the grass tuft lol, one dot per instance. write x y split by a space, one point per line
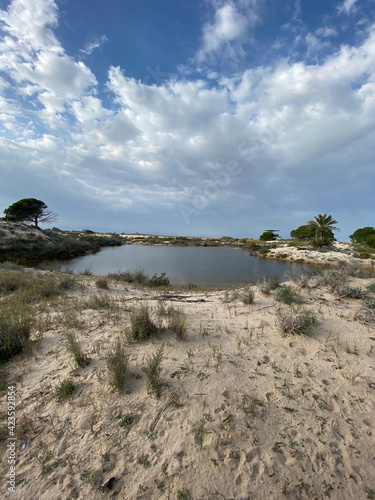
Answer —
152 371
117 362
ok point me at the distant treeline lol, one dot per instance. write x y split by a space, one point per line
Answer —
52 245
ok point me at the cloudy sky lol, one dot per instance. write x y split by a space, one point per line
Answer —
200 117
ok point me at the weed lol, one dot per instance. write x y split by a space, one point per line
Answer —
247 296
249 404
102 283
295 321
177 324
15 327
287 295
65 390
141 324
199 428
349 292
75 349
117 362
152 371
126 420
368 302
143 460
267 284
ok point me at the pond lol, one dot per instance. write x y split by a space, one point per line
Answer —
205 266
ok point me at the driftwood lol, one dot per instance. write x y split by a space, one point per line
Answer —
160 412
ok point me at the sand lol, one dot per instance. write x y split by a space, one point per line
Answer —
245 412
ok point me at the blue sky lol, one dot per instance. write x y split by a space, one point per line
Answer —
205 117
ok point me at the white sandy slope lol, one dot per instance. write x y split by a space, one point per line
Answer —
310 436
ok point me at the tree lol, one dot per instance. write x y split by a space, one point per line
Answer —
361 234
29 210
267 236
321 224
307 232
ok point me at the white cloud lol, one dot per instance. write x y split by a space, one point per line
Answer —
229 25
347 6
93 44
282 127
326 32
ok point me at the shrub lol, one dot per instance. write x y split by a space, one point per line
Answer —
349 292
141 324
102 283
65 390
177 323
117 362
263 251
152 371
370 241
295 321
361 234
15 328
247 296
267 284
287 295
267 236
75 349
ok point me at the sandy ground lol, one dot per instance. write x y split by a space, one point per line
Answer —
340 253
245 412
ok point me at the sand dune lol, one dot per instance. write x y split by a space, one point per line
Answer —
245 412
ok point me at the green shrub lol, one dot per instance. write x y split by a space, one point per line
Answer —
287 295
75 349
267 236
370 241
117 362
65 390
263 251
15 328
361 234
152 371
141 324
177 323
295 320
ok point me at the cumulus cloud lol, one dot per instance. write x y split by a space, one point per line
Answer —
229 26
257 142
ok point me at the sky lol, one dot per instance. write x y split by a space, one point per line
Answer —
189 117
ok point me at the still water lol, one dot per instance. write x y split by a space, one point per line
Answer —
206 266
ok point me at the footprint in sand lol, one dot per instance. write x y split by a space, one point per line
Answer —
273 399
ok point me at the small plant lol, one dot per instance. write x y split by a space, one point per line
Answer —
144 461
249 404
75 349
267 284
102 283
65 390
177 324
152 371
295 321
117 362
371 287
368 302
126 420
247 296
15 328
287 295
199 428
141 324
349 292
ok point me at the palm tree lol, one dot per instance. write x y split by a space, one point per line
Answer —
321 224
